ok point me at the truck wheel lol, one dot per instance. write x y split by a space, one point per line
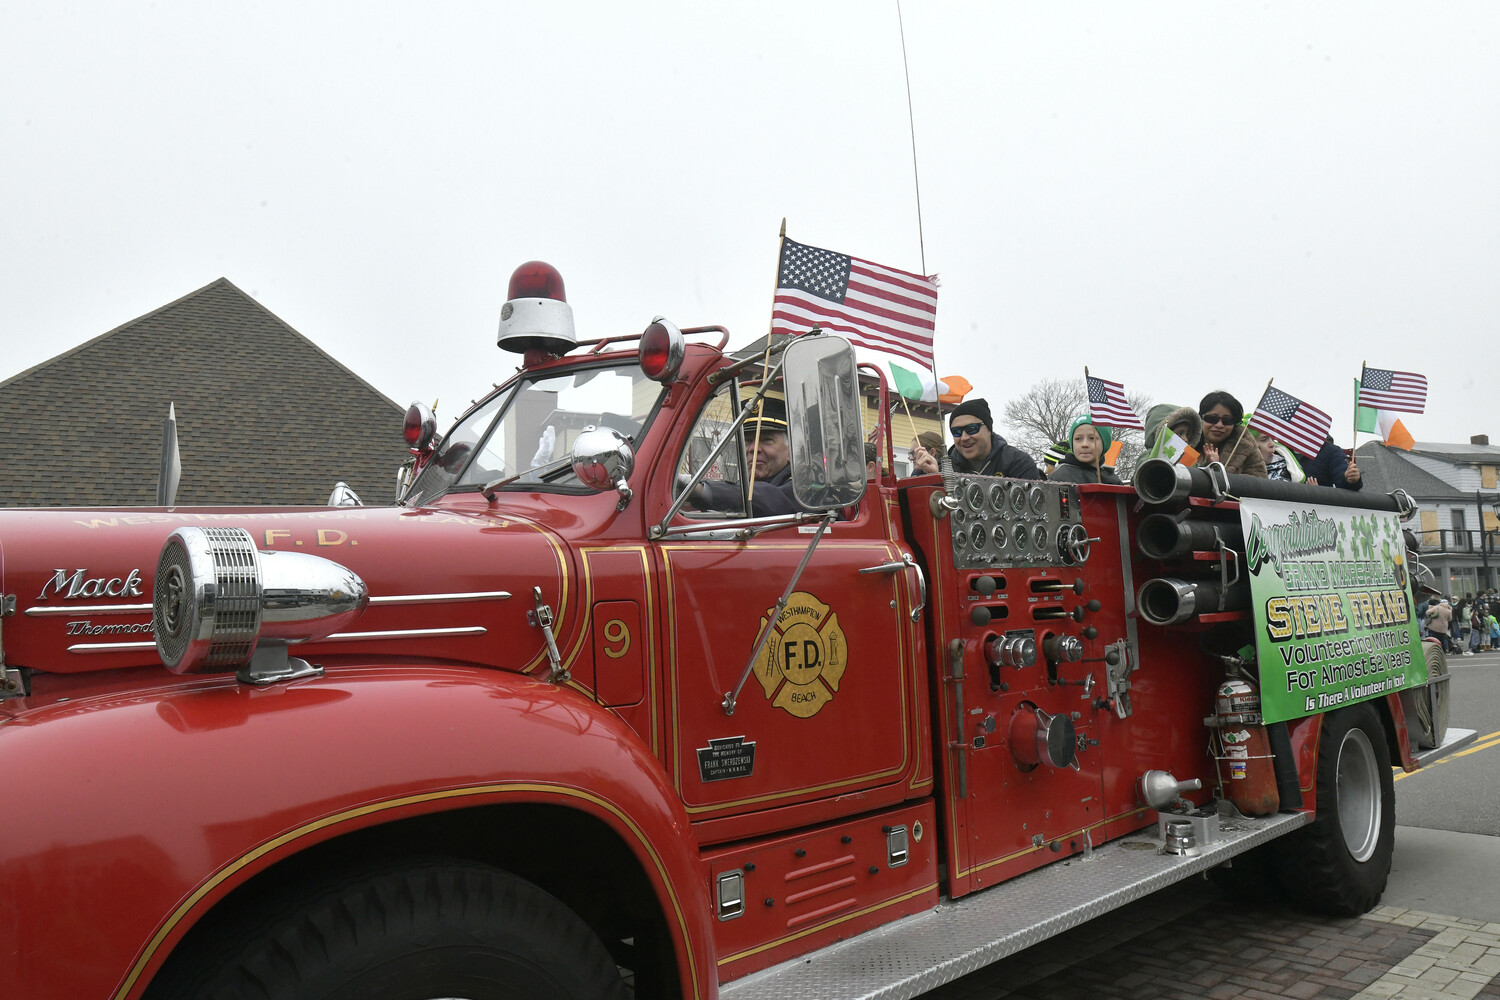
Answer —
435 929
1339 863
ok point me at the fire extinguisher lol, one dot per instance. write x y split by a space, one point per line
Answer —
1246 770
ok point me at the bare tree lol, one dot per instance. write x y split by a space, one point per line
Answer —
1039 417
1041 414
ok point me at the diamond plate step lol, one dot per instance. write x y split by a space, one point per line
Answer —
908 957
1453 739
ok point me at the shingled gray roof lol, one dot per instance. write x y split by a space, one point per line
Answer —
1383 469
263 415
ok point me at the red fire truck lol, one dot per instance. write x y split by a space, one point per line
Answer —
545 728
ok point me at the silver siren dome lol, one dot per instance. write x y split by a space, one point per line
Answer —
218 604
536 314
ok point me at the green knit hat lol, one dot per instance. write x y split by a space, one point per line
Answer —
1105 434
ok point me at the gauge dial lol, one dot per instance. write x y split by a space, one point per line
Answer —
1017 499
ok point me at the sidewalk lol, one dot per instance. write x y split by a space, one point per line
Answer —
1191 942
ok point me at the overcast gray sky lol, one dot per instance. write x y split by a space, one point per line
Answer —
1183 196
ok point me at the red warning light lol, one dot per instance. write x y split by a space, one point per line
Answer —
536 280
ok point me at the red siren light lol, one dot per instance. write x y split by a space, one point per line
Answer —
536 279
536 320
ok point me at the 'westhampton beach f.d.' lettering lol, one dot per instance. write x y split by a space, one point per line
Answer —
1332 606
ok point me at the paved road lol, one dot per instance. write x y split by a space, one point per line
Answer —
1436 933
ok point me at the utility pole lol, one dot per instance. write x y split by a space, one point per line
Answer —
1484 552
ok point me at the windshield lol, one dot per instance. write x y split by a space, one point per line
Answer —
526 431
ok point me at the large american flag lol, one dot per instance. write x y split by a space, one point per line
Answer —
1383 389
1286 418
1108 405
874 306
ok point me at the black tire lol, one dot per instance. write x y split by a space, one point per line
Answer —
1339 863
1251 877
431 929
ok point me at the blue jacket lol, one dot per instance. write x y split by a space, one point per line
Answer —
1328 466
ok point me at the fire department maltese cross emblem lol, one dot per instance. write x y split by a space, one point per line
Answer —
804 658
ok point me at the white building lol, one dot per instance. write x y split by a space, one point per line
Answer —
1457 490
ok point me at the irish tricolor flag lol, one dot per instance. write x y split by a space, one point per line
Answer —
1383 422
926 387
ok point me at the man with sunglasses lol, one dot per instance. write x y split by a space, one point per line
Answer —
977 448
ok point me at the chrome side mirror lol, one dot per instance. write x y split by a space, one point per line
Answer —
420 427
603 460
343 496
824 422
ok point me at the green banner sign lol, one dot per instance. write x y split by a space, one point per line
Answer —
1334 615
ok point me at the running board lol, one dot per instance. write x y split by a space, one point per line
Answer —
1453 739
915 954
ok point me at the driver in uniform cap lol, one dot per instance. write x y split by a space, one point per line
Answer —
770 464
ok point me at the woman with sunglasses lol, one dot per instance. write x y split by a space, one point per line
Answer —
1225 439
977 448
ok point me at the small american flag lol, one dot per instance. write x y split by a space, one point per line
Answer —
1286 418
874 306
1108 405
1383 389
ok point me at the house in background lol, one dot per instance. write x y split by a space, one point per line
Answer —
264 416
1457 490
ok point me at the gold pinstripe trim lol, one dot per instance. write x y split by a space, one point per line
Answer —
930 887
561 610
648 584
1138 810
245 860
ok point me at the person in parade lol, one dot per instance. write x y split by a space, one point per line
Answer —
1081 463
978 449
922 454
1331 467
770 464
1281 461
1439 615
1224 436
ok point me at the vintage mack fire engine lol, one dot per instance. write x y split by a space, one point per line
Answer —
545 728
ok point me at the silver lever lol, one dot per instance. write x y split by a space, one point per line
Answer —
895 567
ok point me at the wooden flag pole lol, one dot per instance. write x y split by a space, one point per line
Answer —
765 367
1358 384
1244 430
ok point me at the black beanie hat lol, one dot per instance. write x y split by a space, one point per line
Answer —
973 408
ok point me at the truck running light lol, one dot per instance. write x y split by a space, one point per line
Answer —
536 317
419 427
662 350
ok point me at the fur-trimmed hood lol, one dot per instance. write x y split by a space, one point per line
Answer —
1183 420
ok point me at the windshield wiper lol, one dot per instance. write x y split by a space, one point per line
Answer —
543 473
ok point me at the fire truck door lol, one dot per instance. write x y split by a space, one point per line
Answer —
827 707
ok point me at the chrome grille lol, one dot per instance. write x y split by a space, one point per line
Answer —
235 601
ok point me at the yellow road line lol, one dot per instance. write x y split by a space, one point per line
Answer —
1484 743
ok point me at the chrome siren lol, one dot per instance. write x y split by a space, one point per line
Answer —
220 604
